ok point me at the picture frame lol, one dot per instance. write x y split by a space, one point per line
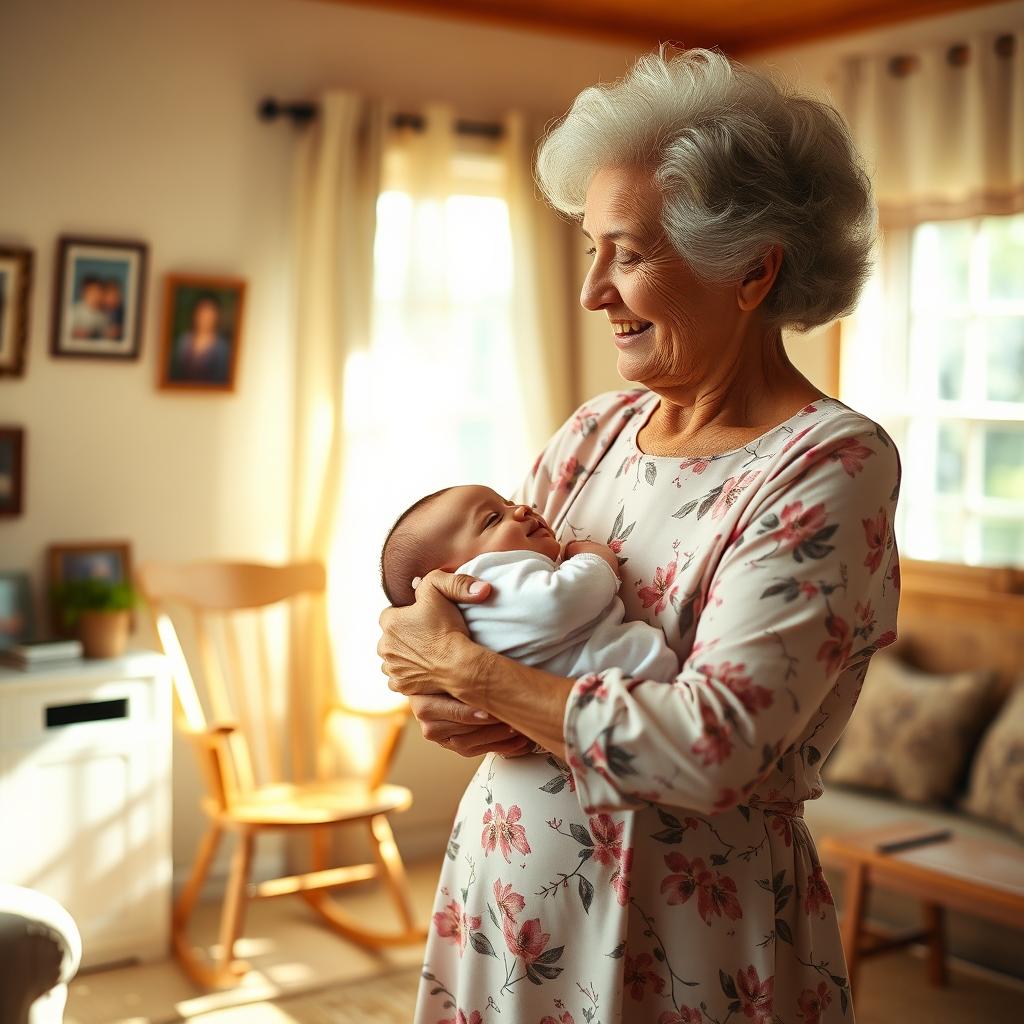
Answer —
107 560
15 299
202 332
17 621
12 471
99 298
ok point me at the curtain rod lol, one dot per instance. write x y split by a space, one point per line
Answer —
301 112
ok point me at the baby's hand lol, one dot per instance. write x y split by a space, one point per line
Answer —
579 547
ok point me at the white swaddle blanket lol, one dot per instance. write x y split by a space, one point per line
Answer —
565 618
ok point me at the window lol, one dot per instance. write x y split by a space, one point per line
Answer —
941 365
435 401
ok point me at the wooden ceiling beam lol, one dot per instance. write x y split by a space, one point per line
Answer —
805 26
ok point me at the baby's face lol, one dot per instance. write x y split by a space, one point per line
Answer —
478 520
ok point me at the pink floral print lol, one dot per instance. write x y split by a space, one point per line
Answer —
663 872
660 591
501 830
454 925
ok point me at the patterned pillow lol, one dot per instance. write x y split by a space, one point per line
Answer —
996 787
912 732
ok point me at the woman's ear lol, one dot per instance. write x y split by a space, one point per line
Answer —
753 289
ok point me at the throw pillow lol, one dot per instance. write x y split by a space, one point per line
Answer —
912 732
996 787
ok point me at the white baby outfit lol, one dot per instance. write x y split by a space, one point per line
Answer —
565 618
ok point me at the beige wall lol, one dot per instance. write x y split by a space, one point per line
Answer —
136 119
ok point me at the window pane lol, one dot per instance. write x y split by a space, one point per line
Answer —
1002 542
940 264
937 358
1005 358
1004 462
1004 237
934 530
949 459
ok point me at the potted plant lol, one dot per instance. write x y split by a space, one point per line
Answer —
101 610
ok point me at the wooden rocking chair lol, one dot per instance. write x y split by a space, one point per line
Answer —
297 797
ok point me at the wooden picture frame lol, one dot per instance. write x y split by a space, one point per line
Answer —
98 298
111 560
202 333
17 621
15 299
12 471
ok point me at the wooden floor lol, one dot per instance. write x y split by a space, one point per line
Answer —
305 975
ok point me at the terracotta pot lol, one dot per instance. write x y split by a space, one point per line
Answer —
103 634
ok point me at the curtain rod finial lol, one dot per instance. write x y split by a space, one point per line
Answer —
298 113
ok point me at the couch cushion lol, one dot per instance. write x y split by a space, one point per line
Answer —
996 787
841 810
912 732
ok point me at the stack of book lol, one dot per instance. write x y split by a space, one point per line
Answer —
37 653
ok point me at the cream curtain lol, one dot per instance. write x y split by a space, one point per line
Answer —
375 357
337 180
942 129
544 290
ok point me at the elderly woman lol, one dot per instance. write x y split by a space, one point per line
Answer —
646 859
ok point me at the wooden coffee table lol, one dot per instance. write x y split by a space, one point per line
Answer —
959 873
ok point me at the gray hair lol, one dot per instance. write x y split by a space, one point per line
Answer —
743 164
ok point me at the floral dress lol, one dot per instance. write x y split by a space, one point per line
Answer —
664 874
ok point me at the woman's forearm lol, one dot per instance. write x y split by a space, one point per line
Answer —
528 699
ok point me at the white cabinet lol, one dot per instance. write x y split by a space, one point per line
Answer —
85 797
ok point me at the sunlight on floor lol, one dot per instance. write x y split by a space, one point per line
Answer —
290 951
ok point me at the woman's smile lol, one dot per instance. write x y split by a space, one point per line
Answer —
628 332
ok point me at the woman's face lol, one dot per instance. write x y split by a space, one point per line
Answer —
666 325
205 316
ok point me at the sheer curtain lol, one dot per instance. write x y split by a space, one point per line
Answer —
337 181
942 130
468 369
544 288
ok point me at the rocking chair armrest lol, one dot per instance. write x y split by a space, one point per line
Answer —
214 745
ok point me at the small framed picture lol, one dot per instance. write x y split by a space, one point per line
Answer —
15 290
12 471
101 560
16 620
98 298
202 332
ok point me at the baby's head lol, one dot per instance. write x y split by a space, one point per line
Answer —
449 527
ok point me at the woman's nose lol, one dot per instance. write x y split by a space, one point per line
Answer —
598 291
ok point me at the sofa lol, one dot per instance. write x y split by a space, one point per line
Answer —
955 623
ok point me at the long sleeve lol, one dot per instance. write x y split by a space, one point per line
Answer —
538 609
804 592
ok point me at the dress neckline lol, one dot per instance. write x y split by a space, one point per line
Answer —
643 418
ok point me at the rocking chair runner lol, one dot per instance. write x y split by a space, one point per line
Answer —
242 799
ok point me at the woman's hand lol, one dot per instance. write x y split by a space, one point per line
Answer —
420 643
454 726
416 651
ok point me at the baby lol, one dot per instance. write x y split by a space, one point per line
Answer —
552 610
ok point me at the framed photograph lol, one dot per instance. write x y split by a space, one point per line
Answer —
16 622
12 471
98 298
100 560
15 290
202 332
